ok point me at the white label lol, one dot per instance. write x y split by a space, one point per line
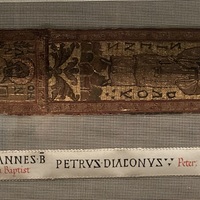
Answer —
97 163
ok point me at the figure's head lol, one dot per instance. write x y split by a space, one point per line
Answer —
18 70
2 66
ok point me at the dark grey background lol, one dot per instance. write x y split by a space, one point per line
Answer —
113 14
66 132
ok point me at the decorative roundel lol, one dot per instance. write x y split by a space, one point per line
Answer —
2 66
22 71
